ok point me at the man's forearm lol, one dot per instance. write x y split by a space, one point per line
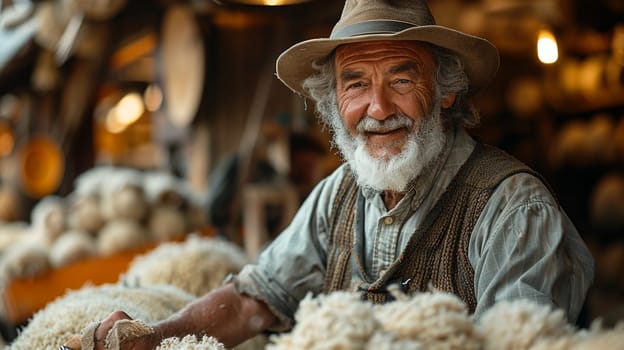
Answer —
223 313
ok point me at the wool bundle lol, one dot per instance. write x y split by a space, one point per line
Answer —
48 218
339 320
68 315
91 182
197 265
84 213
163 189
438 320
120 235
521 324
166 223
72 246
599 338
190 342
12 233
175 208
390 341
122 195
25 259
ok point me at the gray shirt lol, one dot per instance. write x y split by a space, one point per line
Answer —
522 246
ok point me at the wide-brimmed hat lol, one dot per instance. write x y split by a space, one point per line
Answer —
369 20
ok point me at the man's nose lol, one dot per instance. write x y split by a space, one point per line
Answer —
380 105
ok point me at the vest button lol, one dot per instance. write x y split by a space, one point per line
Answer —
388 220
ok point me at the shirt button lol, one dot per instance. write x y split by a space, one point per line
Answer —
388 220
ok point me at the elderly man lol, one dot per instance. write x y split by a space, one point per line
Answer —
418 202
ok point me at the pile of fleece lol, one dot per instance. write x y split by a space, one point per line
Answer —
68 315
197 265
435 320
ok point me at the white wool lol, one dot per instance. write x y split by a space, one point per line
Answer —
598 337
197 265
24 259
521 324
163 189
561 343
66 316
196 214
72 246
122 195
84 213
594 338
91 182
12 233
166 223
436 319
390 341
48 218
335 321
190 342
121 235
258 342
128 203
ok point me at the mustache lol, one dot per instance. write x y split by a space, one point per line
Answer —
396 121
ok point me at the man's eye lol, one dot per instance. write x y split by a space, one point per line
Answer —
403 86
355 85
402 82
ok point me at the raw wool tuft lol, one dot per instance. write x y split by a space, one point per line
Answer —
339 320
163 189
24 259
521 324
47 218
91 182
120 235
13 233
84 213
68 315
72 246
197 265
389 341
600 338
190 342
438 320
122 195
166 223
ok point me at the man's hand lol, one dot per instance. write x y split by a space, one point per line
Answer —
223 313
97 337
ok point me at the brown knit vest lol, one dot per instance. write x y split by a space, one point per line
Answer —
437 255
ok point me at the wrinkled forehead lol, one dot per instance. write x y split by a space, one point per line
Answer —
374 51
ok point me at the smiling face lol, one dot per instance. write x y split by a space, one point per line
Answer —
384 89
387 121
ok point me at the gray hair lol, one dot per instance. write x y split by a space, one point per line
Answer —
450 78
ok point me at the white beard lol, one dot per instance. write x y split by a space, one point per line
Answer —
395 172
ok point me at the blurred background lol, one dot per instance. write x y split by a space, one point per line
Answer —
98 96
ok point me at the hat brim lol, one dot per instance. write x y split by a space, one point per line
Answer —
480 57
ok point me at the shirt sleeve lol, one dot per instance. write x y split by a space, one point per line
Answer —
525 246
294 264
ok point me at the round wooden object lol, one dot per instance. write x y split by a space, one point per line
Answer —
182 65
41 166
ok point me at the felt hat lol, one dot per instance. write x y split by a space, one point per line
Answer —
370 20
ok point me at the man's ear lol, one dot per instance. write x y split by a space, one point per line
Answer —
447 101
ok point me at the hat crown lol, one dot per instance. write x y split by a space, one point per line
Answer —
358 16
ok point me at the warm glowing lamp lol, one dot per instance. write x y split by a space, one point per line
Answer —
547 50
264 2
